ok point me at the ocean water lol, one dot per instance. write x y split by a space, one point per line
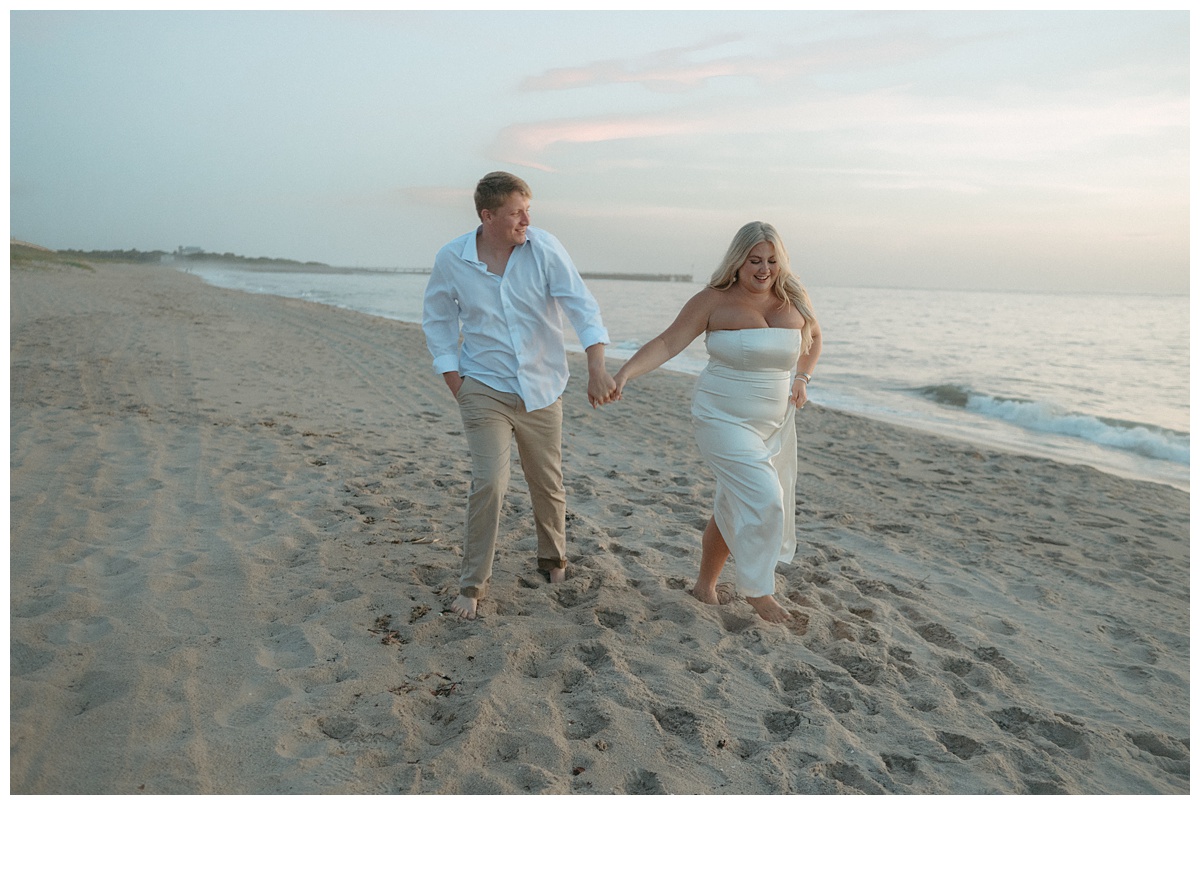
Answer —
1097 379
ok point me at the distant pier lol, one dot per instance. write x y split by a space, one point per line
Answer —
420 271
642 277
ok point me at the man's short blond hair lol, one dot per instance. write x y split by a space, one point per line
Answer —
494 189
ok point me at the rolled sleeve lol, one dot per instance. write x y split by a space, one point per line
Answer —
572 294
444 364
592 335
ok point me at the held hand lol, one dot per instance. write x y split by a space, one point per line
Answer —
454 381
600 387
615 393
619 381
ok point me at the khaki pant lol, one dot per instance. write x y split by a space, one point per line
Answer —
491 420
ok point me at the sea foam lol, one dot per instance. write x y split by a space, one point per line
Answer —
1146 440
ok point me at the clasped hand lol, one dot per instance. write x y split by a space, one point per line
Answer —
602 389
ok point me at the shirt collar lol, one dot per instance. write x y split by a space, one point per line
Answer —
470 250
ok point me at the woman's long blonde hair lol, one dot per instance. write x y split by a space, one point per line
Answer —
787 285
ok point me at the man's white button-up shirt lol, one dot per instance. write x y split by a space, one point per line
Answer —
511 326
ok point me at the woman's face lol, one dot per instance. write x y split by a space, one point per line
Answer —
758 272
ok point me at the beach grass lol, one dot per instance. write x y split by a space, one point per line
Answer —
25 255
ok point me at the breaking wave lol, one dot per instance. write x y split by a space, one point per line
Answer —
1146 440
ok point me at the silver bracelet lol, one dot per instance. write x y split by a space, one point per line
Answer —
805 376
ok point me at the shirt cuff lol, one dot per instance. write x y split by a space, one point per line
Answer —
444 364
593 335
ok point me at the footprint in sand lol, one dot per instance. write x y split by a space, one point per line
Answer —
79 631
679 722
287 648
863 670
585 724
594 655
902 768
611 620
644 783
570 594
254 701
1059 729
98 687
940 636
799 679
837 700
781 723
959 744
1162 746
25 659
854 778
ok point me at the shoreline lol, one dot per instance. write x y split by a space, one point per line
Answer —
235 521
965 423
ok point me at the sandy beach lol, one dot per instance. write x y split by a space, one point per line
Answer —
235 533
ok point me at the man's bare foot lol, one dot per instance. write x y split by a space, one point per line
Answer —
465 606
557 575
768 609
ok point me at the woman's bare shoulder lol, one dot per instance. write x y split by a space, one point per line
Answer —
694 315
709 294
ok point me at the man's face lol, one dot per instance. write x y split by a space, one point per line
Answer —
508 224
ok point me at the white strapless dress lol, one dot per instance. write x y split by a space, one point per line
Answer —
745 426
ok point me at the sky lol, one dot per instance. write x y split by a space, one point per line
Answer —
1031 151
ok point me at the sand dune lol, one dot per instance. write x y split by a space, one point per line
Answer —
235 529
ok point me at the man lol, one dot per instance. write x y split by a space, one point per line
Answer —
505 287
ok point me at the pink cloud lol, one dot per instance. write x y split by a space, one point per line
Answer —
523 143
667 70
526 143
674 70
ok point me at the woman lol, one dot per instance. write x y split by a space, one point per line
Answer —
763 343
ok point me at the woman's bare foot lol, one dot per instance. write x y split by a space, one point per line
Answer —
557 575
465 606
721 594
768 609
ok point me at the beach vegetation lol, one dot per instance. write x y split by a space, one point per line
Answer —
199 256
121 256
29 255
26 254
